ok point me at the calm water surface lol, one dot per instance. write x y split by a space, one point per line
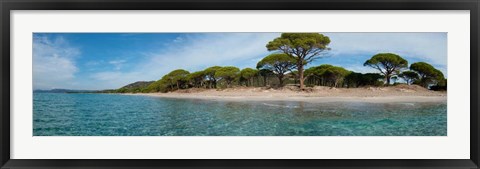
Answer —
57 114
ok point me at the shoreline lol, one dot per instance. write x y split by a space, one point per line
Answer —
300 98
318 94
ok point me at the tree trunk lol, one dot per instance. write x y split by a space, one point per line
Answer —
387 77
264 80
280 79
424 83
300 73
295 77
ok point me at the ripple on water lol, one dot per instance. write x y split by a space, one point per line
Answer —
122 115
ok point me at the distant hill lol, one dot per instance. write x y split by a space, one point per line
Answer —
134 87
130 88
64 91
138 84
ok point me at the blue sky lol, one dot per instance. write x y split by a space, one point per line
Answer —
112 60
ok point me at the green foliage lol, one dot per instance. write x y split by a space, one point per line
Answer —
247 74
355 79
157 86
337 71
136 87
276 60
327 75
409 76
372 79
278 63
388 64
428 74
196 78
210 75
176 75
303 47
295 51
336 75
107 91
228 73
210 72
295 43
176 78
317 70
265 73
440 86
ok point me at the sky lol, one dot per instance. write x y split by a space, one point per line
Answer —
95 61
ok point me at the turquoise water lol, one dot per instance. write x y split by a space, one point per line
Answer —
56 114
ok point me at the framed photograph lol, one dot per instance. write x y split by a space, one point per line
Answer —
239 84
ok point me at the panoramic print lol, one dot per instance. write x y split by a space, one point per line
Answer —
240 84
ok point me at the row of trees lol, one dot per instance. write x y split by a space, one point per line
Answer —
293 52
278 74
212 77
419 73
392 66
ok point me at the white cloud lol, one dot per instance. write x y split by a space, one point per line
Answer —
93 63
178 39
53 63
431 47
107 76
113 79
213 49
194 52
117 64
361 69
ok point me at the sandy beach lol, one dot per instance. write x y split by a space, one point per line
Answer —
401 93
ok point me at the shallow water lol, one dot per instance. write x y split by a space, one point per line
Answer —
56 114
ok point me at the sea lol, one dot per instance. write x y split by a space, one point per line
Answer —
84 114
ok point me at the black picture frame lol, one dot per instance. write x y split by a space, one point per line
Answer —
8 5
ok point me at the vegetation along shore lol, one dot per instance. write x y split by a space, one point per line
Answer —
284 74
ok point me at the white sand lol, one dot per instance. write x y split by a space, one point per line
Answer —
317 94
